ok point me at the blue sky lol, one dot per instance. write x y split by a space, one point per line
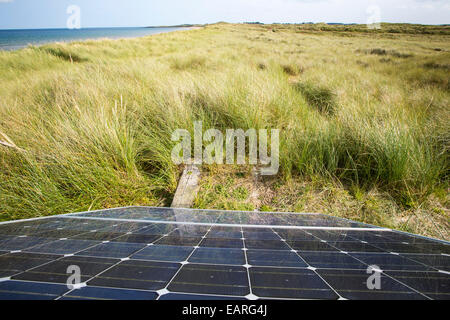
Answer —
121 13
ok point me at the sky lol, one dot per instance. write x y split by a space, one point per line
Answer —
30 14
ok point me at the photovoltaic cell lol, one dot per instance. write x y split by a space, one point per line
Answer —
24 290
426 248
99 236
181 296
156 229
14 263
436 261
354 246
266 244
98 293
216 256
164 253
144 253
19 243
112 250
289 283
221 243
387 261
58 234
137 238
432 284
332 260
62 246
275 258
179 241
311 245
134 274
261 236
352 284
211 279
56 271
228 233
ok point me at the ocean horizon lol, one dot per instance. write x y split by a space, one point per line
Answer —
13 39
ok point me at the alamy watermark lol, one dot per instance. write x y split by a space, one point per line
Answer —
374 280
234 141
74 280
74 19
374 17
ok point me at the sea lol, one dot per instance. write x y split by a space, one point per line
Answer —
20 38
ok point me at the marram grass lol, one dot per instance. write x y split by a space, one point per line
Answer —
361 110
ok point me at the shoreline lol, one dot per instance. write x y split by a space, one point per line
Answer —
12 47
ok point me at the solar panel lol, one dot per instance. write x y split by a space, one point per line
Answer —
147 253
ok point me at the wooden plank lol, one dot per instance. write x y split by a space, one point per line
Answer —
187 187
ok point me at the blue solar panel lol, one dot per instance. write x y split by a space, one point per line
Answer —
144 253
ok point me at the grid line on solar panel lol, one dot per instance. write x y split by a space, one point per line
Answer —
137 252
251 295
48 242
322 254
185 262
45 263
342 241
197 252
397 282
310 267
93 278
346 245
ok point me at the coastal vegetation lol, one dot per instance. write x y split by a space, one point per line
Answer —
363 117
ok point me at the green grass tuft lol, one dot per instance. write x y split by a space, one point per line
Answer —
320 98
